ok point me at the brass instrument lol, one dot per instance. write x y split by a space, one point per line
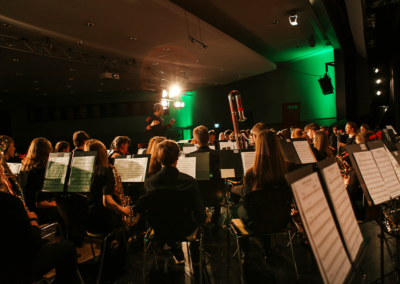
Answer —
389 223
237 110
344 167
125 201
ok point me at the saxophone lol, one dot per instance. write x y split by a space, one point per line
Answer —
124 201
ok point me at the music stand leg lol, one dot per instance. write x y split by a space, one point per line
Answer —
228 221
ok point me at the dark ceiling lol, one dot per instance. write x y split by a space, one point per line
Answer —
240 37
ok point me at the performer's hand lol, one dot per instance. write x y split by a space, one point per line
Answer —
31 215
342 144
126 211
172 121
155 122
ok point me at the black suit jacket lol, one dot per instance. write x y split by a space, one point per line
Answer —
351 140
170 179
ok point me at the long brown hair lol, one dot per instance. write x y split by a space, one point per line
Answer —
98 146
270 165
321 142
155 139
38 154
155 165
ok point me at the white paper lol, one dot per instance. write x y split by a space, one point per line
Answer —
15 168
372 178
395 165
57 167
391 127
227 144
320 227
386 169
81 174
304 151
132 170
227 173
187 165
247 160
343 209
188 150
183 141
212 147
142 151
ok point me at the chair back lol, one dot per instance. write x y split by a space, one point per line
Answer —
75 208
169 213
269 209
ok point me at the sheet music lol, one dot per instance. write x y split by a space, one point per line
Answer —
15 167
372 178
183 141
132 170
386 169
57 167
212 147
320 227
391 127
142 151
247 160
304 151
188 150
81 174
395 165
343 209
187 165
226 144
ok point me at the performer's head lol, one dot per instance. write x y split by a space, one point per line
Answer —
61 146
257 129
211 135
10 151
286 133
38 153
351 128
158 109
364 137
221 136
326 129
200 134
98 146
364 127
154 166
168 153
335 129
80 138
311 130
227 133
121 143
297 133
321 142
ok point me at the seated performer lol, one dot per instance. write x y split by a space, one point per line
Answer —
227 134
154 166
118 147
364 127
154 123
221 136
33 171
169 179
11 149
297 133
321 146
212 140
103 209
200 135
79 138
61 146
257 129
351 131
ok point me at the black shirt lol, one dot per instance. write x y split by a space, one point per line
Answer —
170 179
319 154
77 150
103 184
351 140
156 130
214 158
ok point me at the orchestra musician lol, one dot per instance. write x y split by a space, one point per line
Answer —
351 131
61 146
154 123
79 138
321 147
297 133
154 166
118 147
11 149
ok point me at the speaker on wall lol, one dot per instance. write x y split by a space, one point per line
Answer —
326 85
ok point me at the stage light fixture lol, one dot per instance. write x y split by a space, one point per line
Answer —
175 90
164 104
216 125
378 81
178 104
164 93
378 93
293 20
376 70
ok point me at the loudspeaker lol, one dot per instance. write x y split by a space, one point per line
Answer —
326 85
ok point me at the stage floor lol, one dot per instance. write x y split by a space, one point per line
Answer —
256 270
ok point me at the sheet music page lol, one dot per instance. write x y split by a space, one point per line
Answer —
132 170
320 227
395 165
188 150
142 151
81 174
304 151
226 144
212 147
247 160
183 141
57 167
187 165
391 127
372 178
343 209
15 168
386 169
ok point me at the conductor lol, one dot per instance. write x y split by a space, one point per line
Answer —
154 123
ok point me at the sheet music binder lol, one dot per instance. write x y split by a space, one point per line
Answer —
230 163
56 184
139 156
292 178
202 165
289 151
76 173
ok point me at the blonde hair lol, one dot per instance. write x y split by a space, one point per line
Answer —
38 154
98 146
167 152
154 141
297 133
270 165
200 134
154 166
321 142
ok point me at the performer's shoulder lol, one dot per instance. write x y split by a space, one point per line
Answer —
149 119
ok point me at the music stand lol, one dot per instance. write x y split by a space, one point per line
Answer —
289 151
132 157
189 148
57 172
80 180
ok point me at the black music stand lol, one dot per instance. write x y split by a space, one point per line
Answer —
133 157
289 151
72 175
56 185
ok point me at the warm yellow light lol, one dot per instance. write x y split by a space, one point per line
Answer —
164 93
378 93
174 91
378 81
164 103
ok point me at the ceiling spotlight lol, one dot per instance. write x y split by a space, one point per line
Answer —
165 49
101 84
72 70
216 83
68 86
293 20
164 104
164 93
44 94
376 70
18 74
15 60
5 25
72 92
275 22
178 104
155 63
133 38
36 88
79 42
175 90
99 90
5 91
36 82
378 93
378 81
89 24
127 88
71 79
